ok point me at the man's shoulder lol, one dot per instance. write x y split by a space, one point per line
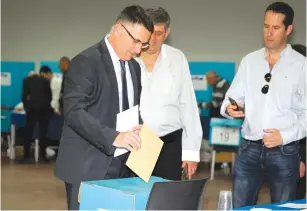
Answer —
172 51
260 53
297 56
89 54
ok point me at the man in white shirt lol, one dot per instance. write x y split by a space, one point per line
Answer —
55 84
271 85
168 104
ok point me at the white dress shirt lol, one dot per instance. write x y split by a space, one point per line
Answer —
283 107
168 100
117 68
55 85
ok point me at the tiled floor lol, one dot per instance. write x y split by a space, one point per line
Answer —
35 187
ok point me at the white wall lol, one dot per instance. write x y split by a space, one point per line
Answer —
212 30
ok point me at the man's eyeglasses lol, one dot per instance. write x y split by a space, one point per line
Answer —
266 87
137 41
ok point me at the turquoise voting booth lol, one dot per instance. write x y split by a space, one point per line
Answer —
199 69
12 75
116 194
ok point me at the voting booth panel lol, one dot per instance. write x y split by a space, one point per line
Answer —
203 91
116 194
12 75
5 121
199 69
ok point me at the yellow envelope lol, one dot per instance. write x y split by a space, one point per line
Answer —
143 161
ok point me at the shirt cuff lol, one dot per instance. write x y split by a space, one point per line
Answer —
190 155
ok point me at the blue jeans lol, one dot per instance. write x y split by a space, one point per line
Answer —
255 164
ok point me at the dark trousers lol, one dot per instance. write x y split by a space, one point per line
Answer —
169 163
255 164
117 169
33 116
216 113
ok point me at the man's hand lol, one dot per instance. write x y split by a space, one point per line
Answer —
302 169
231 111
129 140
137 129
190 167
272 138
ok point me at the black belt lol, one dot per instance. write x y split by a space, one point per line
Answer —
261 142
173 136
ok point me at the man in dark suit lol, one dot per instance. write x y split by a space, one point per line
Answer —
101 82
36 98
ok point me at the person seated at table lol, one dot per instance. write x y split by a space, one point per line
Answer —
36 98
220 87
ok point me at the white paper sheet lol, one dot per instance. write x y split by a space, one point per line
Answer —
293 205
126 121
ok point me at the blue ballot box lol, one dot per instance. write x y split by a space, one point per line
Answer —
225 132
116 194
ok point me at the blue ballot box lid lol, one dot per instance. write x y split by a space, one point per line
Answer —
236 123
132 185
116 194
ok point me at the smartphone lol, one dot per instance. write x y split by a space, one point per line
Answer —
233 102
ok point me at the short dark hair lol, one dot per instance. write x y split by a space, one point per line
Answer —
299 48
283 8
159 16
137 15
65 58
45 69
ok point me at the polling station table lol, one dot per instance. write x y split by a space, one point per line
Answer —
18 120
289 205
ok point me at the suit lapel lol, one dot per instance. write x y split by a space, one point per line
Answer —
107 62
134 82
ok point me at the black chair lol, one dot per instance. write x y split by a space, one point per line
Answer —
177 195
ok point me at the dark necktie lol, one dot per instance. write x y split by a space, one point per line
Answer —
125 102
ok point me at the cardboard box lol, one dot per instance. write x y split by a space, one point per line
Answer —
116 194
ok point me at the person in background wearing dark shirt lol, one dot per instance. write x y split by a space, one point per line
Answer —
63 65
36 98
220 87
301 185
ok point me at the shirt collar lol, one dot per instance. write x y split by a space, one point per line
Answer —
115 58
283 53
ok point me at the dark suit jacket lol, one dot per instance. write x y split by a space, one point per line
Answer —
91 104
36 93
